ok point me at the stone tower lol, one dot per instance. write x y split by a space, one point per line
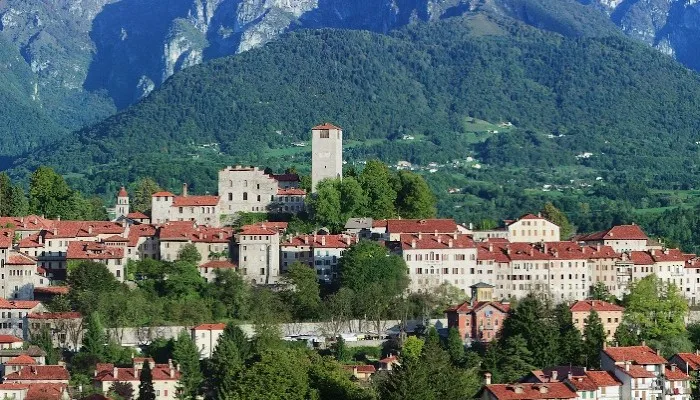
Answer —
122 209
326 153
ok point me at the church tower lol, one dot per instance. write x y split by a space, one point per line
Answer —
326 153
122 209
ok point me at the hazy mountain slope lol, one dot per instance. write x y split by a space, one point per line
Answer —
624 102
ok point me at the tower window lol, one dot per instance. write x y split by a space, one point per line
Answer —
325 134
245 195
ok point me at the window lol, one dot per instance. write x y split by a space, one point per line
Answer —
326 134
245 195
262 271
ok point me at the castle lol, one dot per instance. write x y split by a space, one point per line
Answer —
246 189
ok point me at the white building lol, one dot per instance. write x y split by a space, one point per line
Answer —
326 153
258 253
204 210
532 229
322 252
165 377
206 336
622 238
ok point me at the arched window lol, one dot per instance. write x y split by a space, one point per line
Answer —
245 195
258 197
230 197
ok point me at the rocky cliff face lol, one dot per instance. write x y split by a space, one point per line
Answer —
117 51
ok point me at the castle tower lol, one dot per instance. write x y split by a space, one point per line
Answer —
122 209
326 153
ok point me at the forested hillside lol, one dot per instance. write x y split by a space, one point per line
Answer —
635 111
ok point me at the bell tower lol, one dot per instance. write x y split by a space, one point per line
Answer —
326 153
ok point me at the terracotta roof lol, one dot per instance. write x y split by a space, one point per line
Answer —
547 374
14 386
218 265
692 359
115 238
291 192
136 232
321 241
325 125
209 327
161 372
365 369
421 226
668 255
673 373
188 231
388 360
583 383
16 258
603 378
45 391
162 194
28 223
39 372
18 304
137 215
285 177
642 355
432 241
78 250
597 305
526 216
195 201
636 371
30 242
6 238
56 315
641 258
621 232
122 192
534 391
465 307
258 229
10 339
22 359
73 229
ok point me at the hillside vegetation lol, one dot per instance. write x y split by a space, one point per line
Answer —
636 111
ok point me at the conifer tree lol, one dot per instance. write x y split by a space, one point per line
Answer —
593 338
570 341
340 349
227 361
455 346
516 360
187 357
94 339
146 390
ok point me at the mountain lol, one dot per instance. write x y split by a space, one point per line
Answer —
608 106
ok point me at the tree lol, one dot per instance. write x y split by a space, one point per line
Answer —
353 200
227 360
146 390
94 340
600 292
278 374
376 277
325 205
375 180
189 253
338 308
304 294
19 204
145 188
558 218
570 342
89 282
516 359
43 340
125 390
530 320
187 357
414 198
340 349
411 349
49 194
594 337
183 281
232 291
455 346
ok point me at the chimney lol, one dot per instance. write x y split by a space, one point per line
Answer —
597 247
627 366
490 247
438 239
420 236
697 352
115 372
518 389
673 367
323 240
569 375
306 239
450 243
90 230
436 232
33 368
471 226
454 236
184 190
487 378
605 344
644 342
413 243
555 375
543 389
544 248
651 252
658 352
58 218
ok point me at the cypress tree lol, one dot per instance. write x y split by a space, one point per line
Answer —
227 361
94 339
455 346
593 339
146 390
187 357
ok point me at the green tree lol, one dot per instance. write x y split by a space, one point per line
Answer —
19 204
94 340
375 180
89 282
233 292
124 390
226 361
189 253
414 198
570 341
146 390
325 205
43 340
340 349
600 292
49 194
304 295
412 348
516 359
145 188
353 200
187 357
376 277
594 337
530 320
278 374
455 346
554 215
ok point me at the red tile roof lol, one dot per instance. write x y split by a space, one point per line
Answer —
5 339
668 255
16 258
115 238
71 229
364 369
603 378
40 373
466 308
642 355
78 250
7 236
28 223
324 126
421 226
321 241
209 327
57 315
388 360
597 305
22 359
641 258
162 194
195 201
259 229
285 177
621 232
673 373
122 192
161 372
218 265
432 241
45 391
291 192
534 391
636 371
583 383
136 232
692 359
187 231
18 304
137 215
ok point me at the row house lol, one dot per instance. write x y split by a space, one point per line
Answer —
18 363
588 385
435 259
289 201
31 374
167 207
321 252
208 270
622 238
35 391
479 319
165 377
526 391
211 243
21 277
31 351
143 242
610 315
26 226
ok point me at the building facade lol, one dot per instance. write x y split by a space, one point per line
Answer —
326 153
